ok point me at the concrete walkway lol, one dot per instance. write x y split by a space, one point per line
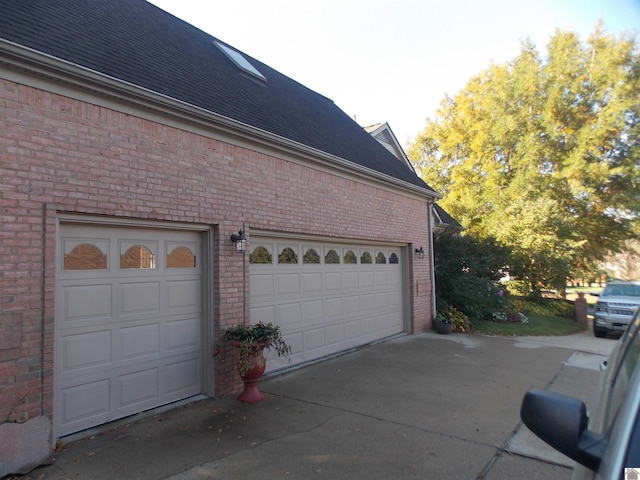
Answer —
418 406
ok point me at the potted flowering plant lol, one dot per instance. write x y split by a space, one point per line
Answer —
251 341
442 323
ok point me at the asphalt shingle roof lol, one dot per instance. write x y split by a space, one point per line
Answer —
135 41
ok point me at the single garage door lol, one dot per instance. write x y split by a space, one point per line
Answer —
326 297
128 322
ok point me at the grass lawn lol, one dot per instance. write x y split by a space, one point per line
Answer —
543 319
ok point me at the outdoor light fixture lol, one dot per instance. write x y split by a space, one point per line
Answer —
240 240
420 252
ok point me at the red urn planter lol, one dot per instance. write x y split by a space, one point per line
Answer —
254 356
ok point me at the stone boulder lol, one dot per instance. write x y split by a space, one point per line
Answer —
25 446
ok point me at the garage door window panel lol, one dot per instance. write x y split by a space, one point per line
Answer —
288 256
181 256
311 256
331 257
261 255
138 256
86 256
350 258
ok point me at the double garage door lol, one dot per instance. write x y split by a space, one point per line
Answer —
128 322
326 297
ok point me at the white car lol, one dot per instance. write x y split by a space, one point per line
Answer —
615 307
608 442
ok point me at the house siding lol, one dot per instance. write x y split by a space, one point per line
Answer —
60 155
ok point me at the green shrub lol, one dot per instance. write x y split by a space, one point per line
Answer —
467 271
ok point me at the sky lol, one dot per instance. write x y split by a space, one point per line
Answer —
394 60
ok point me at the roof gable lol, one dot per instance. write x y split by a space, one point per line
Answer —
135 41
383 133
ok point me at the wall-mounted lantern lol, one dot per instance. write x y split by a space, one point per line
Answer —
420 252
240 240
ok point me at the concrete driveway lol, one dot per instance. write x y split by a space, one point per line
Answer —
417 406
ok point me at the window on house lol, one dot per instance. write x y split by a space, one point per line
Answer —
240 61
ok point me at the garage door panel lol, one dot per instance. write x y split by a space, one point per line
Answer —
141 297
353 330
366 279
382 300
395 300
381 278
139 341
335 334
332 281
265 314
288 283
314 339
86 350
127 334
312 312
352 304
182 377
262 285
89 401
295 341
369 325
289 315
183 334
87 302
350 280
312 282
334 307
367 302
140 386
183 294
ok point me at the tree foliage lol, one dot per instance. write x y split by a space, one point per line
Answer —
543 154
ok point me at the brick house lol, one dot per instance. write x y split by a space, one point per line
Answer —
132 146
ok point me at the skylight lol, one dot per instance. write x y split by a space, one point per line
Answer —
241 62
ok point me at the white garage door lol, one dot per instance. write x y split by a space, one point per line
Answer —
326 297
128 322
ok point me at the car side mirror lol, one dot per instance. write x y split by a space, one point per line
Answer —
562 422
594 294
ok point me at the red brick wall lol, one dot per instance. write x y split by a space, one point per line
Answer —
60 155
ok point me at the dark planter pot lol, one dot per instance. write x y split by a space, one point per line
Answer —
252 377
444 328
